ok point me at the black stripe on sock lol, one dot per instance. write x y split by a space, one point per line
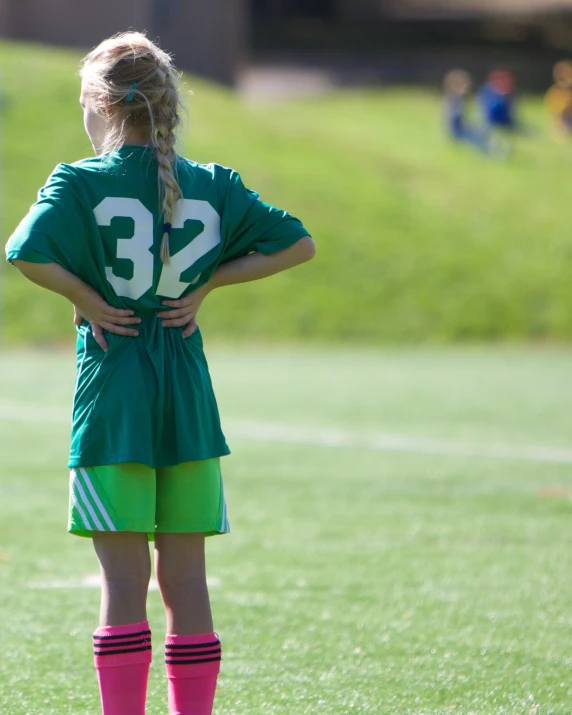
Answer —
139 641
192 645
191 662
187 653
127 635
116 652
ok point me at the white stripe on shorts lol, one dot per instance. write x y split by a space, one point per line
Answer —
77 483
225 526
86 521
97 500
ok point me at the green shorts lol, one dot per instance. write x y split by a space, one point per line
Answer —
134 497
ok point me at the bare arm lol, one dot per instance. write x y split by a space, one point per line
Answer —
90 305
256 265
248 268
87 302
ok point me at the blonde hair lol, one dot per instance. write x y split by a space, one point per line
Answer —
133 84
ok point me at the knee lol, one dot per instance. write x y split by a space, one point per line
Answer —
180 561
123 562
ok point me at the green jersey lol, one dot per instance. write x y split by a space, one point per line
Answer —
148 399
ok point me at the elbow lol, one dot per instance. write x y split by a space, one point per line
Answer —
307 249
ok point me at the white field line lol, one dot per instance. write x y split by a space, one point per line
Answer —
390 442
331 437
93 581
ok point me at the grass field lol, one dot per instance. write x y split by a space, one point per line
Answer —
401 536
418 240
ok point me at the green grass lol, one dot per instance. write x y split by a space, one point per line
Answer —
354 580
417 240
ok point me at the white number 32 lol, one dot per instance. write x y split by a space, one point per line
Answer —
138 248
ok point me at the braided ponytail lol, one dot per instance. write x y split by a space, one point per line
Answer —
133 84
166 118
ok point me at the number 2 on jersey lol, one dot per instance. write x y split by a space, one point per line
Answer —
138 248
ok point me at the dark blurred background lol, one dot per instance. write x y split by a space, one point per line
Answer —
396 41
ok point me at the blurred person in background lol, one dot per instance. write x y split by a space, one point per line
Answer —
457 87
497 100
559 102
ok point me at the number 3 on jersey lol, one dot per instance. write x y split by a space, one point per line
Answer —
138 248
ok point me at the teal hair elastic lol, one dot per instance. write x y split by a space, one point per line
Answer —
131 92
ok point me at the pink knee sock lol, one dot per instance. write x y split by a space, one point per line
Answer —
193 664
122 658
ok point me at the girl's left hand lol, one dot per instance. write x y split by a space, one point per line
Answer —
184 311
89 305
97 329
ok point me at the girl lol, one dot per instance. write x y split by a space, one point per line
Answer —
457 86
146 436
559 102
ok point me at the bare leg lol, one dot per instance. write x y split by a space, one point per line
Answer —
181 573
125 569
122 652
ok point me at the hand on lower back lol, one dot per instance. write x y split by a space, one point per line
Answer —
182 313
101 316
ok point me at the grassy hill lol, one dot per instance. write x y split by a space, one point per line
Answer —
417 240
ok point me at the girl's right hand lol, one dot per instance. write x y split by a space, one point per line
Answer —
90 306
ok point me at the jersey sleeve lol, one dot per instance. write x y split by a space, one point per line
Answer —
249 224
52 230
